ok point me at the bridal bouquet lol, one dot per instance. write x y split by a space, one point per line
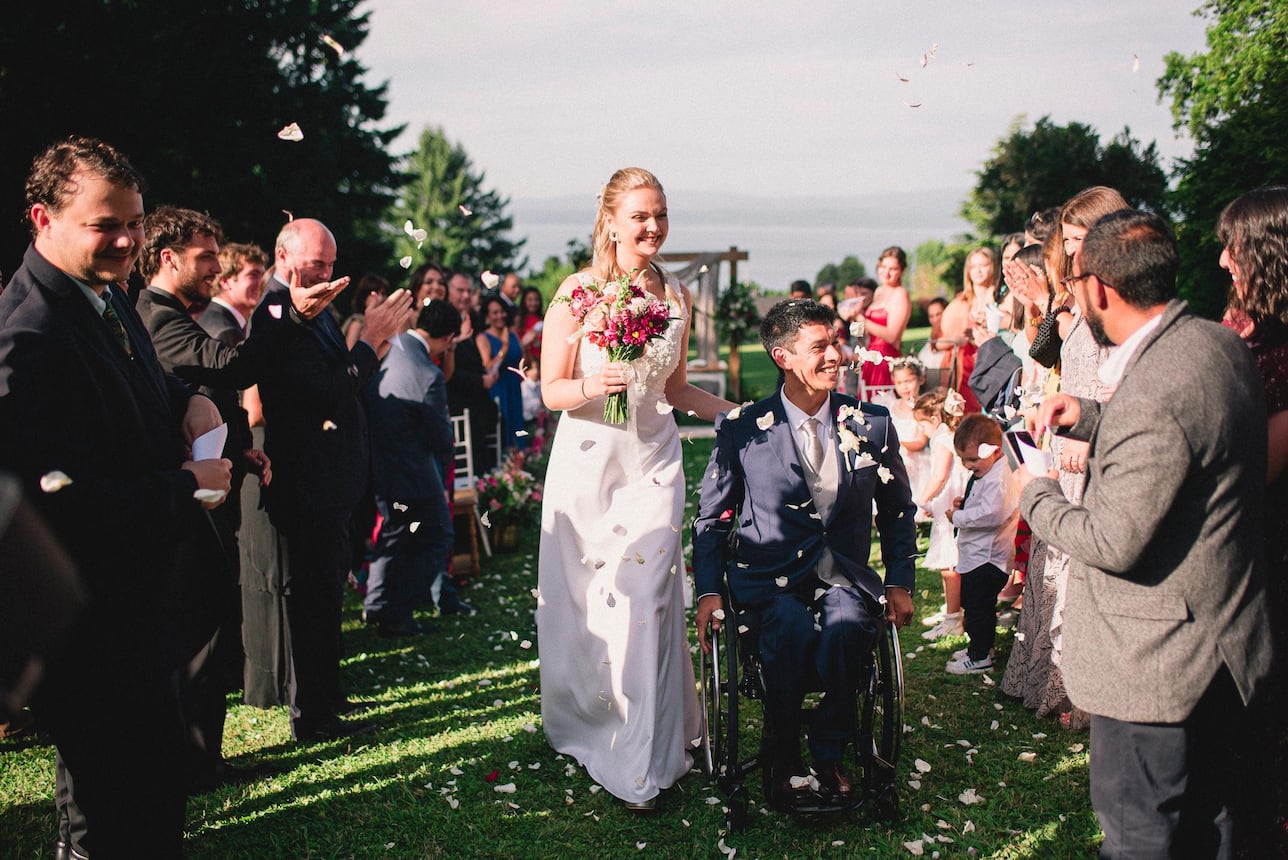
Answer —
620 318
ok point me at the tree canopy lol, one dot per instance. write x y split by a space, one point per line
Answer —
1033 169
465 225
1233 100
195 95
839 275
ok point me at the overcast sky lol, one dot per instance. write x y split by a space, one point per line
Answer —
786 98
777 99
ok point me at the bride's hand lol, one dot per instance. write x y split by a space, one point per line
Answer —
612 379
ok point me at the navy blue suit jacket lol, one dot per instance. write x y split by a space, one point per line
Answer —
411 437
756 525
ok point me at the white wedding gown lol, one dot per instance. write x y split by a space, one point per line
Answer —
617 685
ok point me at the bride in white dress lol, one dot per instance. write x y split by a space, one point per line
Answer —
617 685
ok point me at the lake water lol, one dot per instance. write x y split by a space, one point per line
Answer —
784 239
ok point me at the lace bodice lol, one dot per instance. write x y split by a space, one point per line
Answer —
650 371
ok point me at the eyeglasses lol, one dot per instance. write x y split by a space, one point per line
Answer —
1073 279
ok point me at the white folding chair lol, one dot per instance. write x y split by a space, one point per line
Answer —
465 495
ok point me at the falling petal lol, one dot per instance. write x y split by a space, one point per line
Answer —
399 506
912 105
329 425
987 450
718 614
901 77
924 59
765 421
408 227
1135 64
419 235
487 523
275 311
663 408
641 845
209 496
413 527
291 132
405 262
781 581
464 211
733 413
520 433
885 474
52 482
490 279
333 45
290 216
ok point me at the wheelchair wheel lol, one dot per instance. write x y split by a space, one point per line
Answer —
719 671
882 726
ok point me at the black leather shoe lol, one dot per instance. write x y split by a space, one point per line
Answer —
332 730
402 629
455 606
63 851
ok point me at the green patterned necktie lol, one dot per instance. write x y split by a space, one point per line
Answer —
118 328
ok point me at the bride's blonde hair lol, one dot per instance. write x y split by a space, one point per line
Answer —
604 263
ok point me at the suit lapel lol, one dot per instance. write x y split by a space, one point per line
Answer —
780 436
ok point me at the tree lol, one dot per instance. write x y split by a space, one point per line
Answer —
847 272
554 271
195 94
937 269
465 225
1233 100
1033 170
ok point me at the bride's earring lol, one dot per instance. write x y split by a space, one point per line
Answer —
612 236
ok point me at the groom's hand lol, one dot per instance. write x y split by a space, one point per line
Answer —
898 606
707 607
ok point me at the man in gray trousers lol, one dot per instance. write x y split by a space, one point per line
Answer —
1167 638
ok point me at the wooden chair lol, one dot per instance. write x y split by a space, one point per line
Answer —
465 495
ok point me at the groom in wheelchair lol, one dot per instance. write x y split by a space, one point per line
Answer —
784 530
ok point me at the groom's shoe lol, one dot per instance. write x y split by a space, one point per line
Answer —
834 783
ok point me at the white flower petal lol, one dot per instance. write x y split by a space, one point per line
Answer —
921 766
663 408
1028 756
508 788
490 279
52 482
986 450
291 132
781 581
405 262
465 211
765 421
328 424
333 45
275 311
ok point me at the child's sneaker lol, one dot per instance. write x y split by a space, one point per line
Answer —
933 620
953 624
966 666
960 653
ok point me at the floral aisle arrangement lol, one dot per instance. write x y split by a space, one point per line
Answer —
510 495
619 317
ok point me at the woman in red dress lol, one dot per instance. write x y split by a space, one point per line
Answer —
887 318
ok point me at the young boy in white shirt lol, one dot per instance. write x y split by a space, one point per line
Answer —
985 518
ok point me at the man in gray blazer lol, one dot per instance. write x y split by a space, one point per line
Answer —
1166 637
411 451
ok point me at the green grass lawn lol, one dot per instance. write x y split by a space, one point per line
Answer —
461 705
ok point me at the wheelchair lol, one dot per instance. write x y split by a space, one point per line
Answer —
732 677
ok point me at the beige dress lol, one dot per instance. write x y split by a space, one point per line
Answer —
617 684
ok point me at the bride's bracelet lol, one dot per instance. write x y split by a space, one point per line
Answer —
584 398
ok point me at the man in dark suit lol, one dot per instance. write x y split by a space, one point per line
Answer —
311 385
796 475
180 263
411 451
1167 639
98 434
